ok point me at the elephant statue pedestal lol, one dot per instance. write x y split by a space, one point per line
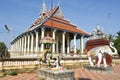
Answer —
102 69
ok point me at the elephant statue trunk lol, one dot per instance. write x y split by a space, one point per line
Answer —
113 48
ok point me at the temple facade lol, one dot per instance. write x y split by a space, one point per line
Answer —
50 22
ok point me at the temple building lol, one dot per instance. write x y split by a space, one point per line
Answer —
50 22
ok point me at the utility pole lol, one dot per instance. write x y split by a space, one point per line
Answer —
109 15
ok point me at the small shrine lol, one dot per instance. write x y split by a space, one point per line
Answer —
46 54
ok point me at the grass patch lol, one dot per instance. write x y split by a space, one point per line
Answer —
12 73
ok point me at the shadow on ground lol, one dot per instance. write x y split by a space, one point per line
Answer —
83 79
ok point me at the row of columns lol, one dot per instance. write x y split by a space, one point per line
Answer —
68 42
27 42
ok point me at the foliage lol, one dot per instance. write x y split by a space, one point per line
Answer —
118 33
110 37
2 47
12 73
117 42
3 50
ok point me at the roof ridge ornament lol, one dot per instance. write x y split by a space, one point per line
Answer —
43 9
44 18
59 13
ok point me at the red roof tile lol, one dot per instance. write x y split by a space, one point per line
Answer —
63 24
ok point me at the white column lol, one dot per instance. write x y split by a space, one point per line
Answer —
63 42
42 36
68 43
32 39
75 35
25 43
20 45
57 44
17 45
53 45
12 47
37 34
81 44
28 44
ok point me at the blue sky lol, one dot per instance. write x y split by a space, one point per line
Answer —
19 15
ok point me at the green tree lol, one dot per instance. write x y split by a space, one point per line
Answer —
111 37
117 42
3 50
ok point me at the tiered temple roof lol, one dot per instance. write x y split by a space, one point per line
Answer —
53 19
56 21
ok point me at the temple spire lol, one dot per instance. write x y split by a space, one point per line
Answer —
43 9
59 13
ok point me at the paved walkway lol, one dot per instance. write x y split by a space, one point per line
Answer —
80 74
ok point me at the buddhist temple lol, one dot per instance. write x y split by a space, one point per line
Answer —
50 22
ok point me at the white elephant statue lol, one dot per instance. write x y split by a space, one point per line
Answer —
101 51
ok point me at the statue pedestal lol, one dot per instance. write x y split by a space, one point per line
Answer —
56 74
101 69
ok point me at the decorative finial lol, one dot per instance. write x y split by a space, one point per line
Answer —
98 27
43 9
